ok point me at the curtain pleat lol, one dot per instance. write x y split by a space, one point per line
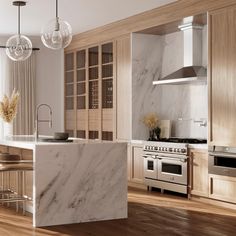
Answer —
22 78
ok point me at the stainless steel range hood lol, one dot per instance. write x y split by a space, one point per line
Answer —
192 70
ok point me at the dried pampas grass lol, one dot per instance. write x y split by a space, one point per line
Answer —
150 120
8 106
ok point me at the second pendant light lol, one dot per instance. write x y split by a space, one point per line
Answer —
57 33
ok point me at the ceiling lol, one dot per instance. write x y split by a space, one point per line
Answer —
83 15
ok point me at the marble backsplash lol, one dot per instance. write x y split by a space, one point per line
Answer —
153 55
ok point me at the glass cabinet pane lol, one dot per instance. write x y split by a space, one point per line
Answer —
81 75
107 135
81 134
107 93
93 95
107 71
81 59
93 73
69 77
81 102
69 61
69 89
93 56
81 88
93 134
107 53
69 103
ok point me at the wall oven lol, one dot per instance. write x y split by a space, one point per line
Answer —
222 161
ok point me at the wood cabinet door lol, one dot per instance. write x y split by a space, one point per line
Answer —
222 188
137 164
222 77
124 84
199 160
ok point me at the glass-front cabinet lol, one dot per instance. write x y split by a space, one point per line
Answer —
89 93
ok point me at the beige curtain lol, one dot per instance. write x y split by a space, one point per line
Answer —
22 78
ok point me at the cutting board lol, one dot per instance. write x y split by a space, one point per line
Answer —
165 126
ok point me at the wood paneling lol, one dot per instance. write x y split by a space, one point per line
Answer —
123 88
137 164
222 83
70 120
199 161
222 188
159 16
173 26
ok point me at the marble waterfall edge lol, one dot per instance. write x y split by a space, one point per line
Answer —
80 183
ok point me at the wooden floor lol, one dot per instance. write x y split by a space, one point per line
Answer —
150 214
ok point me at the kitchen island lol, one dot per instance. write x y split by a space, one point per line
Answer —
82 181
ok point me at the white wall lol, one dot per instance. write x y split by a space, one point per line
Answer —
49 84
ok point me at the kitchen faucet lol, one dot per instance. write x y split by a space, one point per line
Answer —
37 121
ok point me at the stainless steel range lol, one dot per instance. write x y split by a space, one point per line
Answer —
166 166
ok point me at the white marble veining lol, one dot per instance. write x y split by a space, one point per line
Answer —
82 183
76 182
155 56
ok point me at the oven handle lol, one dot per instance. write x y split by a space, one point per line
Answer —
173 159
222 154
150 156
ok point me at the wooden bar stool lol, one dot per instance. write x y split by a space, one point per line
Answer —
10 163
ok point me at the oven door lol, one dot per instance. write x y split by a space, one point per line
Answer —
172 169
221 163
150 165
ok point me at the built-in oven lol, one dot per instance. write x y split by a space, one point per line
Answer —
150 165
222 161
172 168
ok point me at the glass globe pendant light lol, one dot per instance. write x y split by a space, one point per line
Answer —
57 33
18 47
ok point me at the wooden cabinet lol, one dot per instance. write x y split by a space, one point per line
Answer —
136 164
222 82
89 92
222 188
199 172
124 88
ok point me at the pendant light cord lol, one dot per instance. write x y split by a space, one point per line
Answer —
57 9
18 19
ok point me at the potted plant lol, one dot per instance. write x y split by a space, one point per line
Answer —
151 121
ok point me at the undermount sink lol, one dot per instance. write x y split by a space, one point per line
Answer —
55 140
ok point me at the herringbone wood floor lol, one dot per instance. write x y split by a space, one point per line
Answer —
150 214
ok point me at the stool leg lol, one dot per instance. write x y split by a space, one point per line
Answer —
17 189
23 191
8 186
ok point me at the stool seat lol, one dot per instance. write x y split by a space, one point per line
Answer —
15 166
9 157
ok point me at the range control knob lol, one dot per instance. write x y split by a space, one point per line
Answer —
170 149
166 149
163 149
156 148
183 150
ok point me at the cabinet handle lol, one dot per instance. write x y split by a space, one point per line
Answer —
211 185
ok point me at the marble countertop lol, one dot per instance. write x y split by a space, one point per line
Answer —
29 142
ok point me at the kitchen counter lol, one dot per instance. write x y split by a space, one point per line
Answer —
76 182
